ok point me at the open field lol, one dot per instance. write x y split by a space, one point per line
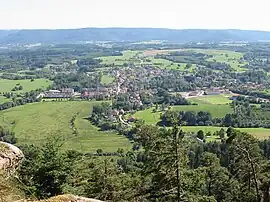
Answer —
152 118
118 60
166 64
148 116
212 99
229 57
32 123
105 79
159 52
3 99
217 111
260 133
7 85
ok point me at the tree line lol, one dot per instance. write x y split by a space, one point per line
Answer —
172 166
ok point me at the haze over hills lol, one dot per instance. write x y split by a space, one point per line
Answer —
128 34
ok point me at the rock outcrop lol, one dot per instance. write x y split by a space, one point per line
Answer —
10 157
66 198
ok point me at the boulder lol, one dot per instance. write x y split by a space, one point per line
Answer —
10 157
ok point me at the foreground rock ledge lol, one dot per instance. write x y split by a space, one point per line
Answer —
66 198
10 156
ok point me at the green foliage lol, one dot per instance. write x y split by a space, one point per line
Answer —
200 135
45 169
7 136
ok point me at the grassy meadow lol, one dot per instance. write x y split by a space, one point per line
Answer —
8 85
217 111
229 57
118 60
212 99
166 64
148 116
106 79
260 133
3 99
151 118
33 123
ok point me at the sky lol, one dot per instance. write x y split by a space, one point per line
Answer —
176 14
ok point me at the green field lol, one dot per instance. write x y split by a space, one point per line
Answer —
260 133
224 56
118 60
7 85
217 111
148 116
212 99
3 99
166 64
106 79
32 123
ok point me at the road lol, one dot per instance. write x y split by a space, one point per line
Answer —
122 121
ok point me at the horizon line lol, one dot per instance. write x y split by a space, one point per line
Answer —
79 28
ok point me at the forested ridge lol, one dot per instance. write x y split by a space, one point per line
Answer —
128 34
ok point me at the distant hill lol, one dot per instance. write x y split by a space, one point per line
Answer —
128 34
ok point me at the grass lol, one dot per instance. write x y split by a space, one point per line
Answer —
260 133
3 99
7 85
33 123
118 60
148 116
152 118
220 56
217 111
106 79
166 64
212 99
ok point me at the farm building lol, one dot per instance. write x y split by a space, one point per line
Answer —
212 92
67 90
193 93
64 93
94 92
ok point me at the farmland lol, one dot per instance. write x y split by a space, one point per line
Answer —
148 116
260 133
152 118
33 123
229 57
217 111
118 60
106 79
212 99
3 99
28 85
166 64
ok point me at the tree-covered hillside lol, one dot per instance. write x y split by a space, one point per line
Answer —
128 34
